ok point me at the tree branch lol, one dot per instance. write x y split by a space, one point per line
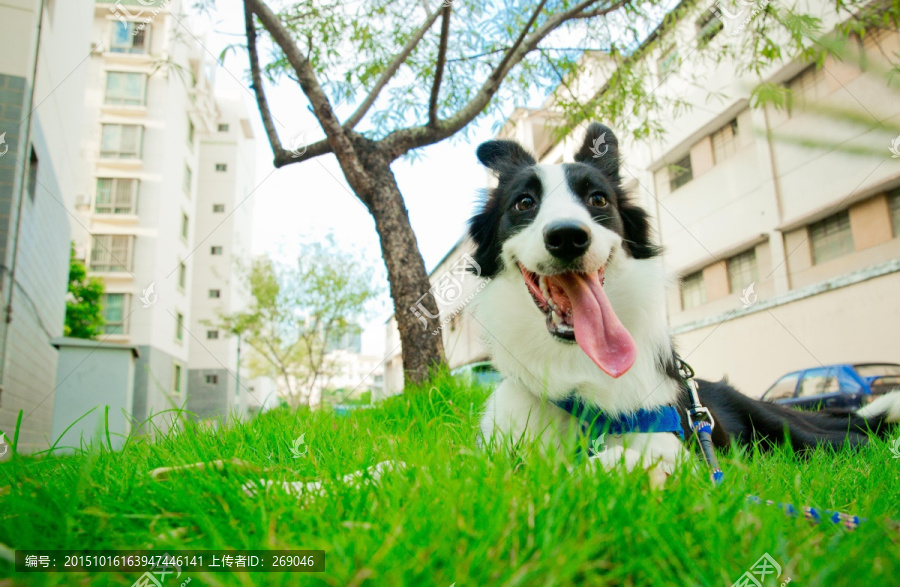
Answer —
261 102
337 137
406 139
391 70
309 152
439 67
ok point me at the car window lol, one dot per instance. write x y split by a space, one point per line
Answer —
783 388
819 381
876 370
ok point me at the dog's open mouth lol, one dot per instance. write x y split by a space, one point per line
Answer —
577 309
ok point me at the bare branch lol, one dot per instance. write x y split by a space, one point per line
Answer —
310 152
261 100
403 140
439 67
599 11
388 73
337 137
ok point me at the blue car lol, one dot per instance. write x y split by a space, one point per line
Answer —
846 386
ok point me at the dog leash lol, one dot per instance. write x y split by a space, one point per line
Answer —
701 422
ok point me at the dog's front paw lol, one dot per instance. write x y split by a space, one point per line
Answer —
618 456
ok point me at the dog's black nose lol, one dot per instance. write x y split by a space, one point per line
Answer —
567 240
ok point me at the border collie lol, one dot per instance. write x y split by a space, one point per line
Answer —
575 318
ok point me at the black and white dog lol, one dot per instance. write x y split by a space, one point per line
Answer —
575 318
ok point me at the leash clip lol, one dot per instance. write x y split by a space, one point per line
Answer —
696 412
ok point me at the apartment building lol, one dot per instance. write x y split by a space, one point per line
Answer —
43 46
222 230
781 226
162 203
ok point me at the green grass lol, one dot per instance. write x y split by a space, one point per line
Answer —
456 515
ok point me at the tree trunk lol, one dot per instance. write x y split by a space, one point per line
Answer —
408 279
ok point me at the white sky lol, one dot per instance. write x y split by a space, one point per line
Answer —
307 200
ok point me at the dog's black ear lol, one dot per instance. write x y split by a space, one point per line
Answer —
638 234
601 149
502 156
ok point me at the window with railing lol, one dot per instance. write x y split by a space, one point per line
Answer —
115 312
680 173
116 195
724 141
125 88
177 378
708 26
894 205
693 291
742 270
831 237
121 141
111 253
806 88
129 37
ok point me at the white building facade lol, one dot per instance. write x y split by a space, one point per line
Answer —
43 48
150 203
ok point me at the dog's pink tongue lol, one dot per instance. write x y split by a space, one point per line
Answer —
598 330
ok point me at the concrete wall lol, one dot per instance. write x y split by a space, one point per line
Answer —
208 400
851 324
153 377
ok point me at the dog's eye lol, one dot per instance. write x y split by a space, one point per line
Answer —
597 200
524 203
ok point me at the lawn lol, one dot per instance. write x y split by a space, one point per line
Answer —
455 515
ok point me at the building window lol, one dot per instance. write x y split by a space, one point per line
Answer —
177 375
724 141
190 135
32 174
212 379
667 63
806 88
182 275
179 326
215 293
215 250
121 141
187 180
221 167
831 237
223 128
894 204
742 270
212 334
680 173
218 207
116 195
111 253
185 225
693 291
129 37
125 88
708 27
115 310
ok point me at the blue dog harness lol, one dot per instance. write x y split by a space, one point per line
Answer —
594 423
